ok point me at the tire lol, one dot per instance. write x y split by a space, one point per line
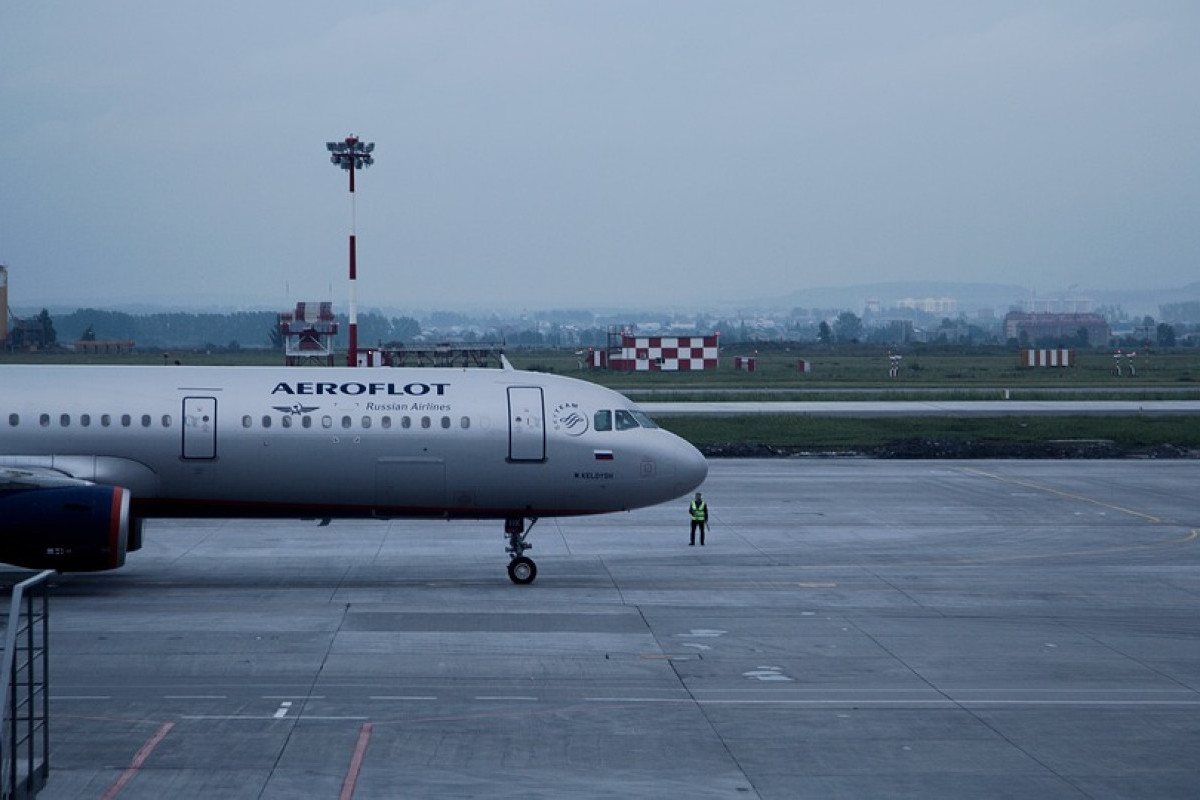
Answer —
522 570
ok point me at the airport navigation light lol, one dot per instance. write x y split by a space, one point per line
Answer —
352 155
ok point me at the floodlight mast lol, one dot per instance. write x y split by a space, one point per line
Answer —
352 155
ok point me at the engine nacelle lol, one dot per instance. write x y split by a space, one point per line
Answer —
65 528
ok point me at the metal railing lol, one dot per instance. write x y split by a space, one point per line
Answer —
24 679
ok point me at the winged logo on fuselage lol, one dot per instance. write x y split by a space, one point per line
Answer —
295 409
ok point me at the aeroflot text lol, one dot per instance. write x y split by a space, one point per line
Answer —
354 389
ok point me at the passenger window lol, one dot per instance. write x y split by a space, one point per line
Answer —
426 422
445 423
347 422
366 422
247 421
105 420
64 420
625 420
85 420
266 421
306 421
286 421
145 420
464 423
602 421
386 422
326 421
44 420
406 422
166 420
126 420
14 420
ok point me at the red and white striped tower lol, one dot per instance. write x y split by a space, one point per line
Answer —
352 155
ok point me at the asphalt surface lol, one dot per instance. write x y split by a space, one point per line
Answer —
853 628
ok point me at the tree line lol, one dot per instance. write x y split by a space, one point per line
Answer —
189 330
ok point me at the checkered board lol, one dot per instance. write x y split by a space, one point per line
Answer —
668 353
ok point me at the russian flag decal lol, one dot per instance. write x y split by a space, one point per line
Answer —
603 455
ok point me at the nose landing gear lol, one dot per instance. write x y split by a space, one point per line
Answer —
521 570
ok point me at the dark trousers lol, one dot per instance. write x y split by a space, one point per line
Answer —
698 524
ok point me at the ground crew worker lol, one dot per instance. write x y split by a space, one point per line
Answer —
699 514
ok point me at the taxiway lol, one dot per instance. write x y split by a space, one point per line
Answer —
853 628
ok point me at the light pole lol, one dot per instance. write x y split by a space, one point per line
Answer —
352 155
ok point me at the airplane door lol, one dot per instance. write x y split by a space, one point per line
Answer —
526 424
199 427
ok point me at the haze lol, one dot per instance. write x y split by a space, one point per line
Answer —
550 154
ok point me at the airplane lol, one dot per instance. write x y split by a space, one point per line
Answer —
88 453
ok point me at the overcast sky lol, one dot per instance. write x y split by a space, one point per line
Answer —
555 154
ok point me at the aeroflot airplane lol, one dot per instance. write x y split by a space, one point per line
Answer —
89 452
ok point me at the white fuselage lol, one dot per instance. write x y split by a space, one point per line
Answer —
330 442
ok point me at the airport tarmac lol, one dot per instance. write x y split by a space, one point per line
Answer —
853 628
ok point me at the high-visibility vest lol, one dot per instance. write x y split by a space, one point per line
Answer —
699 511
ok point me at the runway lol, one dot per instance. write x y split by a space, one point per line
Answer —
853 628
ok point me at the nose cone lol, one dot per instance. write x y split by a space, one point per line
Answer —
691 468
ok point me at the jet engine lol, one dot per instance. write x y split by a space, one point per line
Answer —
80 528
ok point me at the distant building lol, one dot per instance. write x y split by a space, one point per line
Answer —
1035 328
940 306
1058 305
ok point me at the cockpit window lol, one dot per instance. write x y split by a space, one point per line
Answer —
643 420
602 421
625 420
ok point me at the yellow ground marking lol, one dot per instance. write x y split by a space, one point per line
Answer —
1060 493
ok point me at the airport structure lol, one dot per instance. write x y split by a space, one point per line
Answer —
308 334
1036 328
630 353
442 354
1051 357
352 155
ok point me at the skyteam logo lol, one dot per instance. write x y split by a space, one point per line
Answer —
567 418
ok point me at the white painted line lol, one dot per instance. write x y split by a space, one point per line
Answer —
506 697
81 697
638 700
284 708
195 697
398 697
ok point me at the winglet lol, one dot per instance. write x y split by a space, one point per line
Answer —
504 362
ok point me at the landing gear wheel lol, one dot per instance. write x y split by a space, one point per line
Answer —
522 570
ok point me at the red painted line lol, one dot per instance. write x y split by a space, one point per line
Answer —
360 750
136 765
